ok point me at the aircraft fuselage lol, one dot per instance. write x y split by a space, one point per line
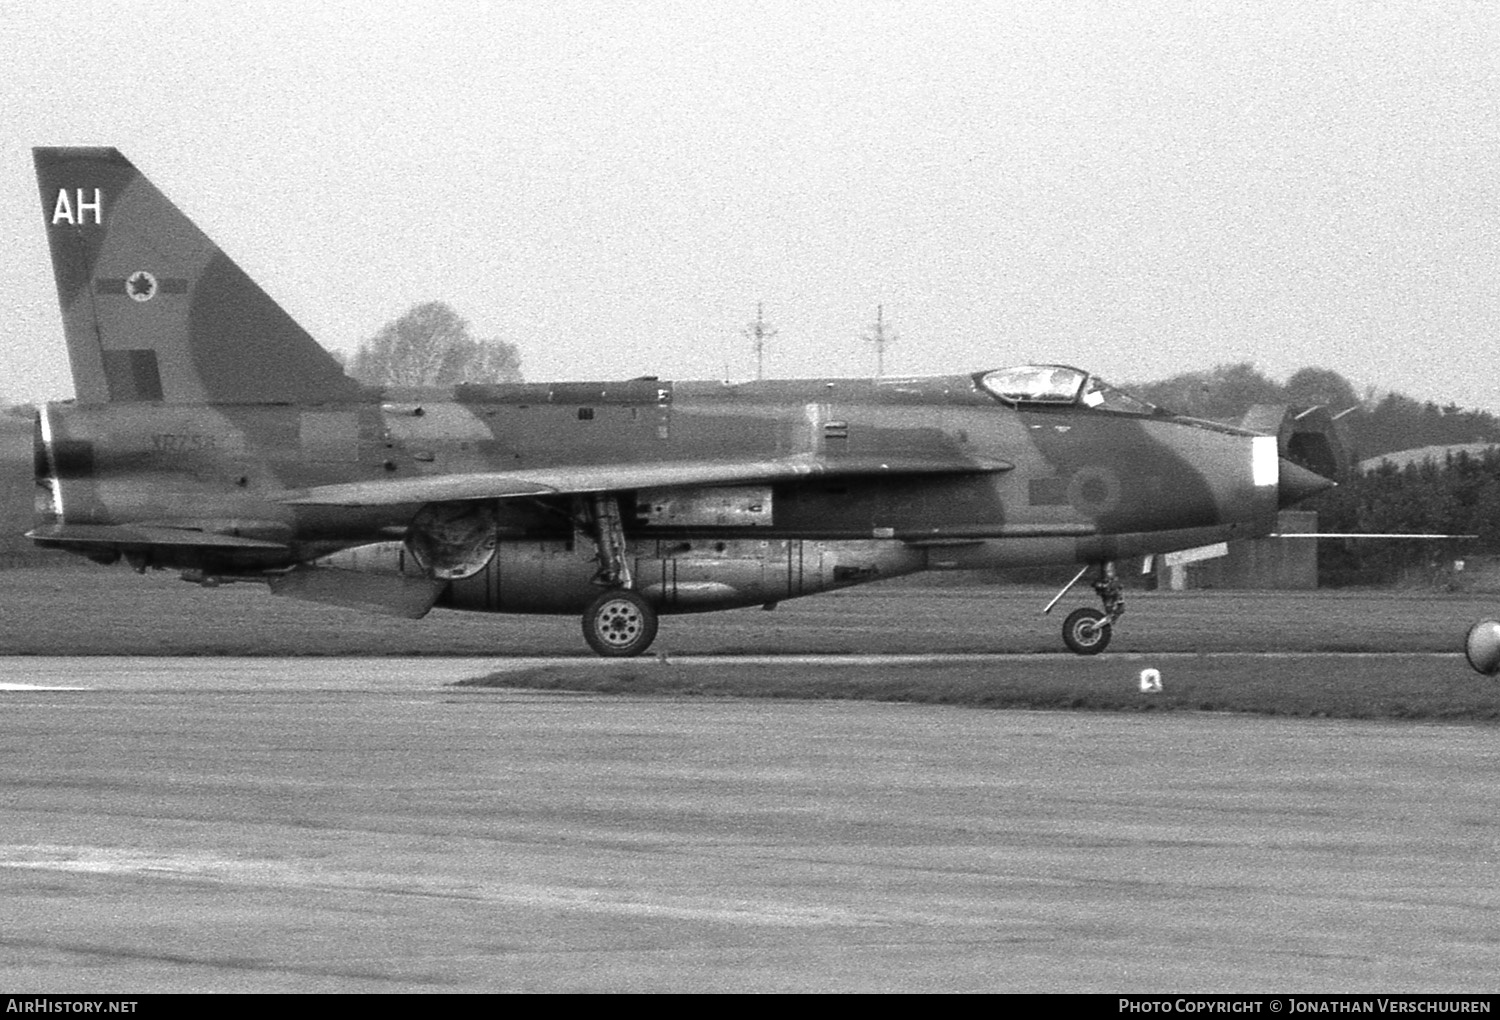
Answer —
1008 485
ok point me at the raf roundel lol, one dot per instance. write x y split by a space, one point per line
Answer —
141 286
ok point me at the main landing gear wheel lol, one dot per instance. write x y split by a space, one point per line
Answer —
1086 631
619 624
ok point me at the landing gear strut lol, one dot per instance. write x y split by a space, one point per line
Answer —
619 623
1087 631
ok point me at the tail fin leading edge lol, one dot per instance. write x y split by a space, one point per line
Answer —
153 310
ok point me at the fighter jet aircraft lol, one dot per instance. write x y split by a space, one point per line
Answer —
211 435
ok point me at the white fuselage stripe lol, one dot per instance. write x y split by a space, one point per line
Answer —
1265 460
44 416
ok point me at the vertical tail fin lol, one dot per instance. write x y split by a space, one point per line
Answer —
153 310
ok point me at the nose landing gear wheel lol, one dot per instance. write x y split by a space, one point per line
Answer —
1086 632
619 624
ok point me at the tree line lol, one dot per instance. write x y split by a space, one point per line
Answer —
1458 494
1371 424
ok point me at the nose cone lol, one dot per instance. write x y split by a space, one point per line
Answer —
1294 484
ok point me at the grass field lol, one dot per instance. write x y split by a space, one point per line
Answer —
90 610
86 610
1406 687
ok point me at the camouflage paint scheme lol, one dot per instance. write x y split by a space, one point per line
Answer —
212 435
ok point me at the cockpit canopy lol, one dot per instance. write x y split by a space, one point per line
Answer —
1060 386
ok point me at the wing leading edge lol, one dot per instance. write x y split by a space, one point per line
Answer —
578 479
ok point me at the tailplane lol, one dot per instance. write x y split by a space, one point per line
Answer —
153 310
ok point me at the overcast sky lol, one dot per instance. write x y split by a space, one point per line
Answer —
1137 188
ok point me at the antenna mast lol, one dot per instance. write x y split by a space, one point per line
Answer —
881 339
760 332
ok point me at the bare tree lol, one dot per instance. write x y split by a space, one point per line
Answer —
493 361
431 346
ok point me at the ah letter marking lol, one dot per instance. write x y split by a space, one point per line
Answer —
64 211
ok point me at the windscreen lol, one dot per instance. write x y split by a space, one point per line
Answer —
1035 384
1060 386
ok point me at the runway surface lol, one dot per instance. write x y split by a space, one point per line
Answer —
356 825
